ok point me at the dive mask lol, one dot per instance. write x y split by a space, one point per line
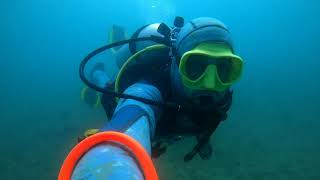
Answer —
210 66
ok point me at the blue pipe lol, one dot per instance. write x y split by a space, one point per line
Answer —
136 119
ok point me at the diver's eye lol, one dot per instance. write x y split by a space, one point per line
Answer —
195 67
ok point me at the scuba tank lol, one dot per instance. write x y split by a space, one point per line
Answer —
127 50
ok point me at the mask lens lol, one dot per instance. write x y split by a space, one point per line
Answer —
196 66
224 67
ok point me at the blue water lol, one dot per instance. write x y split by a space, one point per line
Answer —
273 128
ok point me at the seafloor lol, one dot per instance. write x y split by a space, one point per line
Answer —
243 149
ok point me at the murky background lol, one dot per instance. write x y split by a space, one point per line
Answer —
273 128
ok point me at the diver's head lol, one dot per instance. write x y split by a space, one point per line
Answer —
207 62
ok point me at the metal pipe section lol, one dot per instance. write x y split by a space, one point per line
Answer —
109 161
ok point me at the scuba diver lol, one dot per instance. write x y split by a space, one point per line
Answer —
177 80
